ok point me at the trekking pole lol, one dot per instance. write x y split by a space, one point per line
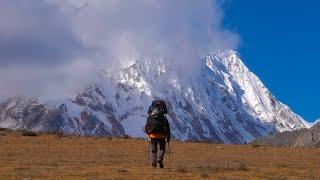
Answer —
169 149
148 152
145 153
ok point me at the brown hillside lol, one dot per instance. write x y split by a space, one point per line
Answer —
299 138
51 157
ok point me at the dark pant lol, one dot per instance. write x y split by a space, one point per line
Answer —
154 145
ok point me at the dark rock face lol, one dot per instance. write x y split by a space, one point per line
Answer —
299 138
30 115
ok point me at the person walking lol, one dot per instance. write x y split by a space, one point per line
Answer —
158 130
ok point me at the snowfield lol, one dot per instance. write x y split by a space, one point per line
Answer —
225 103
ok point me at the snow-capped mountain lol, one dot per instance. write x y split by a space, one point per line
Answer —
225 103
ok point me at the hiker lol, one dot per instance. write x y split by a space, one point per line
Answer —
158 130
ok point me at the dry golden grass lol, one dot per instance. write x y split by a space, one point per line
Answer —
52 157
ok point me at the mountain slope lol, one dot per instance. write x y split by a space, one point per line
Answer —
299 138
224 103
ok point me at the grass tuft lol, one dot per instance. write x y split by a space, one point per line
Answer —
204 174
182 169
29 133
204 171
242 166
255 145
127 137
60 135
121 170
281 165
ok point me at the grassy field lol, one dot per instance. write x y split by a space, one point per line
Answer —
52 157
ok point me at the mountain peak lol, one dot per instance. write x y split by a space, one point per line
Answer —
224 103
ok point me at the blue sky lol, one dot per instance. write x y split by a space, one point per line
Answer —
280 43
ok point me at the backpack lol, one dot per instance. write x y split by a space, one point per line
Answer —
157 124
158 107
156 118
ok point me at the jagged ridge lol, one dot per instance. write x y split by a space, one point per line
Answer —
224 103
298 138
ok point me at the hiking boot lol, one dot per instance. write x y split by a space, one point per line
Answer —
161 164
154 165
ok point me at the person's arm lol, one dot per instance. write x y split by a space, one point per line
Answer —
148 125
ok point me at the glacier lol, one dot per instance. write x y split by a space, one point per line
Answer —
224 103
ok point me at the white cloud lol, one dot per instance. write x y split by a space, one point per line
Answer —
100 33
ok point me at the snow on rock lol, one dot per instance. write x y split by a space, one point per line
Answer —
224 103
310 124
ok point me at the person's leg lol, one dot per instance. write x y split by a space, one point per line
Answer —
162 143
154 144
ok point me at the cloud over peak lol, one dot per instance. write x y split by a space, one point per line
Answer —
38 35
